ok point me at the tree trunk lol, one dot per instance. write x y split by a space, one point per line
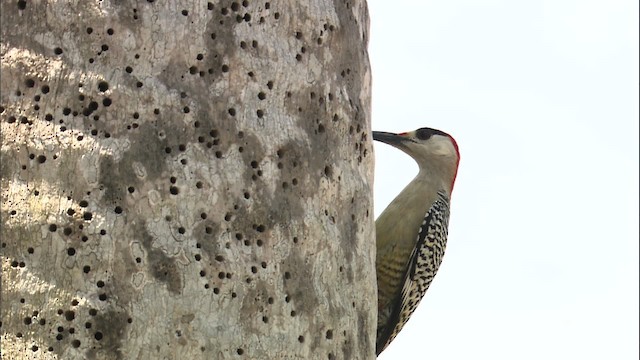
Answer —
186 180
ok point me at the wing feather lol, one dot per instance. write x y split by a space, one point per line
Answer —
422 266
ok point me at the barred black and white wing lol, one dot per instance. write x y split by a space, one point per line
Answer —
421 269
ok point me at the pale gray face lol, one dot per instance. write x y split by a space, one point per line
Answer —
435 151
424 145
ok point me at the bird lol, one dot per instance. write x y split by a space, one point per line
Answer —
411 233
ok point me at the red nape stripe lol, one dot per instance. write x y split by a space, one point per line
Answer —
455 145
403 133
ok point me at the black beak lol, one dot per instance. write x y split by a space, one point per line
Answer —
388 138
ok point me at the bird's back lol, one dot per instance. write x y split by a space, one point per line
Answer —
404 266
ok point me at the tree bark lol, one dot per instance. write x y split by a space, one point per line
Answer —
186 180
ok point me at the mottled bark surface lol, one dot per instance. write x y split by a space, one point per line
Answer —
186 180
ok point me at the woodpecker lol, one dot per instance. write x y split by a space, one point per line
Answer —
411 233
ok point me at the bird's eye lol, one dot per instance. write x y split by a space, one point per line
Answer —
424 133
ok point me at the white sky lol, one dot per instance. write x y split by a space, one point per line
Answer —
542 97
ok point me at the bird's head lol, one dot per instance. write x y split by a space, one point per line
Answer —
435 151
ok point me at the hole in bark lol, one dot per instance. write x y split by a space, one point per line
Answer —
103 86
328 171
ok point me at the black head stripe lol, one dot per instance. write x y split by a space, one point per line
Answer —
426 133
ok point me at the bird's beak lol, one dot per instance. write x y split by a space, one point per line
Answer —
388 138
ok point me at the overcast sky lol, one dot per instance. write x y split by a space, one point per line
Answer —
542 97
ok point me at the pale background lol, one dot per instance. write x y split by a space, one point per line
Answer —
542 97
